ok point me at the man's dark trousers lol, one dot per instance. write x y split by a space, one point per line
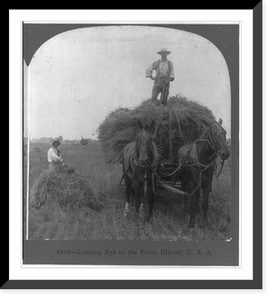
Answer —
161 85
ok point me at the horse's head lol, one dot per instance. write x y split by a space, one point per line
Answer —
217 137
144 142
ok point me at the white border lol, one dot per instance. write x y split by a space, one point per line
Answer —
131 16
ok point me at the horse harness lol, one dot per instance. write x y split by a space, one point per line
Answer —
135 163
193 161
202 167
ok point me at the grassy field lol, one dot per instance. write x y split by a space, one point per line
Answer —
170 222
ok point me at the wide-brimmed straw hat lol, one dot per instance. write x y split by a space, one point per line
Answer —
55 142
163 50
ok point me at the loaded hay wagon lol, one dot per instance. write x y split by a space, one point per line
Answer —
178 123
184 131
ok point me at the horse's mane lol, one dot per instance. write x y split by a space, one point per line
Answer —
205 132
209 125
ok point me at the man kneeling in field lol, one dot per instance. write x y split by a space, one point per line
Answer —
54 155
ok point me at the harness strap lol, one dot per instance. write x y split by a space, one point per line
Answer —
222 165
145 183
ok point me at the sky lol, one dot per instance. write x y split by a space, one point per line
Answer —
78 77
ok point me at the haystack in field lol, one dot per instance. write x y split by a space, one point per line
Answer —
120 126
65 187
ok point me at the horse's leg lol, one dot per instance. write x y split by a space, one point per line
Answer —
141 198
128 184
197 195
150 195
205 204
206 186
151 201
184 187
137 195
186 204
132 202
193 203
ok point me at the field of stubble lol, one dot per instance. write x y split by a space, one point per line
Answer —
170 221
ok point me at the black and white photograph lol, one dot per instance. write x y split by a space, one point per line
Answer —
136 153
128 136
136 149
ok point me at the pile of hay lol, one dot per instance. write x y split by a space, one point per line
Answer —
120 126
65 187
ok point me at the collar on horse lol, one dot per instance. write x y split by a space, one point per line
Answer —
136 163
149 166
212 163
203 167
215 150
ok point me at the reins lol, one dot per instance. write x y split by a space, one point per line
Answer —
152 167
202 167
214 148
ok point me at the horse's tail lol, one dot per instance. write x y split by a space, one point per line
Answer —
121 159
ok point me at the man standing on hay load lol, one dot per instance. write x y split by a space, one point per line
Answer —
164 73
54 155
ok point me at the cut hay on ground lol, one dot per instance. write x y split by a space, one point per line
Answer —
120 127
64 187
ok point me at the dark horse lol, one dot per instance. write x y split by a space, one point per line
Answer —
197 166
140 160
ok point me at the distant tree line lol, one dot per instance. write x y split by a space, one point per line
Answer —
47 140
